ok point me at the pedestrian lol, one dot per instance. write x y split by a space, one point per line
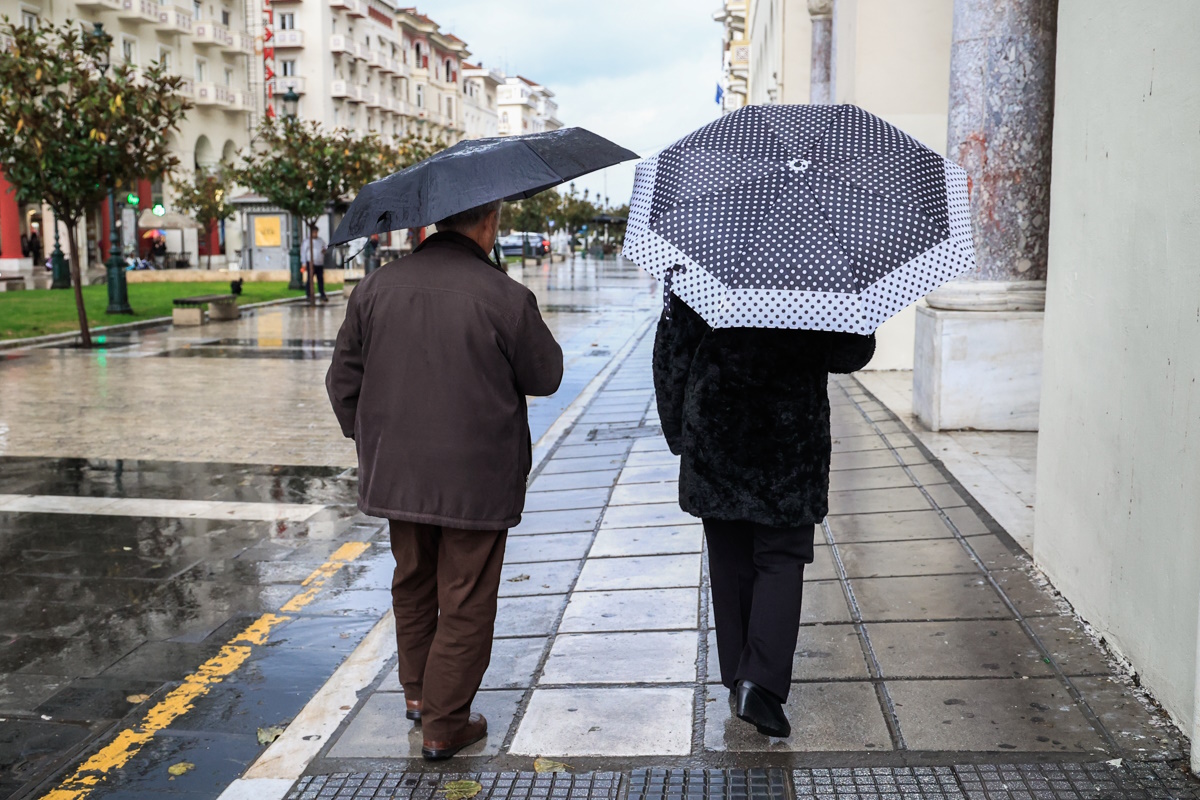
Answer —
430 373
312 257
35 248
158 251
747 409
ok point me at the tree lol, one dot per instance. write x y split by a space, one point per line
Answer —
306 170
206 197
72 128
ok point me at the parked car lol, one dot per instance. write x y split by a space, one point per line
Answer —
514 244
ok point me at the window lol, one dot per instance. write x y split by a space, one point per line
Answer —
129 50
29 19
287 21
337 116
201 70
447 72
225 17
420 95
287 68
450 107
229 77
504 117
164 58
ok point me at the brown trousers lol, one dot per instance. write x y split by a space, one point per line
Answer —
444 599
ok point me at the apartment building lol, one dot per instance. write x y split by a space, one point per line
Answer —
481 117
734 86
211 45
526 107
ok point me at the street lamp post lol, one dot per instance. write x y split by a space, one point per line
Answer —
290 101
118 292
61 270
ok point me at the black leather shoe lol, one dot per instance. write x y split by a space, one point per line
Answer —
760 708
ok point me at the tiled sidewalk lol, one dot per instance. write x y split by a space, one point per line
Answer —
925 632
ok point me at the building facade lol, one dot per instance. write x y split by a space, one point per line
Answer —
481 116
210 43
525 107
733 88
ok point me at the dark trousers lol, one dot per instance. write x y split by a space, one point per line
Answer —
317 272
444 598
757 575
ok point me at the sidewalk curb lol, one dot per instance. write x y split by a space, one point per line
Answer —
153 322
284 762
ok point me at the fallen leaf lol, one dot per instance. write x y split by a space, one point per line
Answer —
181 768
137 698
461 790
269 734
546 765
518 579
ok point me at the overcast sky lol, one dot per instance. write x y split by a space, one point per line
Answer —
640 72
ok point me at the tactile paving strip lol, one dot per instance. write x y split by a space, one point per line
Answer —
708 784
1101 781
428 786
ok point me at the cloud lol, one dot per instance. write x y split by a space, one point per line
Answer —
640 72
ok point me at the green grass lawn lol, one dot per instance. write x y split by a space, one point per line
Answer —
41 312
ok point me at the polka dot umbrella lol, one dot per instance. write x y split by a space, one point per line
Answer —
815 217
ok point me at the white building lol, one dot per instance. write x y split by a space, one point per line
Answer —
526 107
481 118
735 54
211 45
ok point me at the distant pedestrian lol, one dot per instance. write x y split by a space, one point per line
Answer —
429 377
748 411
312 258
35 248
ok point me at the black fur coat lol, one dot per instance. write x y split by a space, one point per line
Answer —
747 409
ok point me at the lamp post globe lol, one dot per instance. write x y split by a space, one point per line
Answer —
290 102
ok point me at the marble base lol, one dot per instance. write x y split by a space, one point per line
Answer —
979 370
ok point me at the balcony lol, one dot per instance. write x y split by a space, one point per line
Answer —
100 5
371 98
173 19
342 44
289 38
347 91
293 82
374 59
139 11
207 33
241 43
355 8
186 89
213 94
242 101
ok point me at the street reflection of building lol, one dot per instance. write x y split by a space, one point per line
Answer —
210 44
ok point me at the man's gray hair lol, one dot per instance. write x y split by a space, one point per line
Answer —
465 220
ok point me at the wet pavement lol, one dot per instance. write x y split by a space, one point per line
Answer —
182 558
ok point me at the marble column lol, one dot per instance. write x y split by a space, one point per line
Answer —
821 83
978 340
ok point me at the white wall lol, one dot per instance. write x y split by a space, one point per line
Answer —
893 59
1117 524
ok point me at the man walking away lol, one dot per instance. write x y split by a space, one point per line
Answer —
429 377
312 257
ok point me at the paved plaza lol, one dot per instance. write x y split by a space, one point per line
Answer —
182 500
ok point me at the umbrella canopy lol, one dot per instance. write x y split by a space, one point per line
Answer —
474 172
814 217
171 219
150 234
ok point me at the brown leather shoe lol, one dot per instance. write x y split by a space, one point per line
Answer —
475 729
413 710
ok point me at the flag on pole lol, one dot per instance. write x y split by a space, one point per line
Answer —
720 93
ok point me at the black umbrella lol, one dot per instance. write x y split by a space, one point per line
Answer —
814 217
474 172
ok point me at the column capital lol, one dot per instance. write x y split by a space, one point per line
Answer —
820 8
985 295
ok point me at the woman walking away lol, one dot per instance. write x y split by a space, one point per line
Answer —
747 409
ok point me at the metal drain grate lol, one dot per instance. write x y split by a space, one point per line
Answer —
428 786
708 784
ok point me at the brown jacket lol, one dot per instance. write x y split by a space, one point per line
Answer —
429 377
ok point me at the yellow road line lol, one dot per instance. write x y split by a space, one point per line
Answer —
180 700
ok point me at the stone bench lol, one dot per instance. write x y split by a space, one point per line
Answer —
190 310
11 283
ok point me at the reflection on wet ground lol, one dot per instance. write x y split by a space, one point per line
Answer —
103 613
